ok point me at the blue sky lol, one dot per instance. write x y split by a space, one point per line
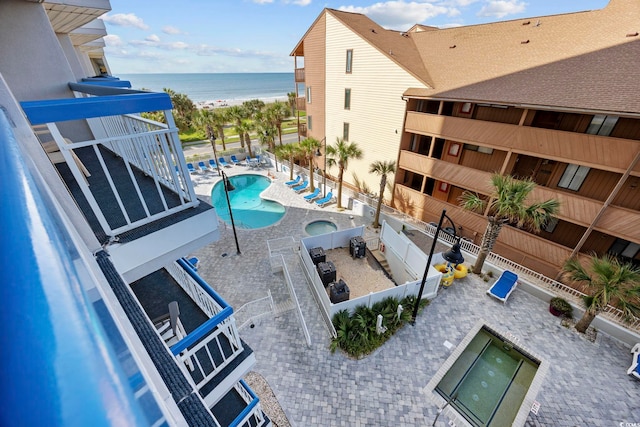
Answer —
206 36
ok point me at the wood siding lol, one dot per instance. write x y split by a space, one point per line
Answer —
377 110
519 246
600 152
314 70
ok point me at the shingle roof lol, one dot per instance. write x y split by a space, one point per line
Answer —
580 60
398 46
585 60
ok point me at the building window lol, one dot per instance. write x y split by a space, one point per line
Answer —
624 248
349 61
308 94
345 131
551 225
479 149
309 122
347 99
573 177
602 125
465 108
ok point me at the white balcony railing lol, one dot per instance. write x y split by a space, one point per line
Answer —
252 415
215 343
147 150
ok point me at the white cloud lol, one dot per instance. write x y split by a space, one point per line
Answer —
399 15
125 20
112 40
502 8
263 1
302 2
153 38
177 46
169 29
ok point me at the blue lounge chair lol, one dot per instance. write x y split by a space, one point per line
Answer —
212 164
313 195
301 187
223 162
294 182
191 168
325 200
635 362
234 159
203 167
503 287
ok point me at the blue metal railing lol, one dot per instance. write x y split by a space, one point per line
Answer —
250 407
59 368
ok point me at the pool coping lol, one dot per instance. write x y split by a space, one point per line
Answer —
304 226
529 401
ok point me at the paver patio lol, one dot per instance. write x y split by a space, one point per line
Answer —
586 385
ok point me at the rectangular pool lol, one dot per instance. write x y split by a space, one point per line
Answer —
487 382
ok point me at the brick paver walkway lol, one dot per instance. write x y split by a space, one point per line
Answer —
587 384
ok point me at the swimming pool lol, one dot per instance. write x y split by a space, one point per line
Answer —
315 228
249 209
489 382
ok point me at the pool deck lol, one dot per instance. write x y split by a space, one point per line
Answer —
586 385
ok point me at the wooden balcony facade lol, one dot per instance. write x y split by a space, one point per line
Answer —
599 152
299 75
301 103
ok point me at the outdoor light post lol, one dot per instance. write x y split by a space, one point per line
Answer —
324 171
453 256
229 187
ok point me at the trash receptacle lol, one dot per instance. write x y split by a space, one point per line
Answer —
357 247
317 255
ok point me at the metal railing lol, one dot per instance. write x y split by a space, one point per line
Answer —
611 313
252 415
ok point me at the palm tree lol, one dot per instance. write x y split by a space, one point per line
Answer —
237 114
308 149
242 128
609 281
382 168
289 152
339 155
218 119
183 108
507 206
291 98
277 112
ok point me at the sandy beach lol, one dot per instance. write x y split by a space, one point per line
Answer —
230 102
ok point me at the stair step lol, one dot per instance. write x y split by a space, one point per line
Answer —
283 307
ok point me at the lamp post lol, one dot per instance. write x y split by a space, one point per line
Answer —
453 256
324 171
212 138
229 187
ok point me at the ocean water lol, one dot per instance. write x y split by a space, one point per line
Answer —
219 88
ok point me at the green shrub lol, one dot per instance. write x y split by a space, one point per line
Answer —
561 305
356 334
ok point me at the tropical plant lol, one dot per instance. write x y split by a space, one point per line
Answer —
183 108
237 114
243 128
291 98
252 107
381 168
289 152
508 206
218 118
356 334
608 281
339 155
308 149
561 306
277 112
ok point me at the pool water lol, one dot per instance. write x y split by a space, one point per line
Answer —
249 209
316 228
488 382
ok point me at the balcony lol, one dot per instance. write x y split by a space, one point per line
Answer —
301 103
299 75
66 18
302 129
130 180
600 152
209 350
